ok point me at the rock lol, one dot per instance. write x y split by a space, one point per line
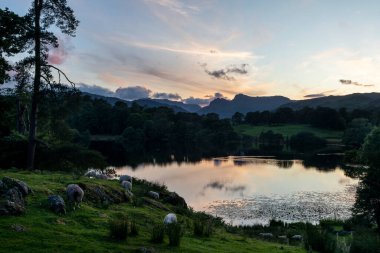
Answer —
57 204
146 250
155 204
11 182
154 195
105 195
12 202
170 218
175 200
96 174
125 178
18 228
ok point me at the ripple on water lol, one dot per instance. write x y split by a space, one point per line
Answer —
298 206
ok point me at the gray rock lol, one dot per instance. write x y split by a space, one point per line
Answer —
297 237
11 182
266 235
176 200
18 228
57 204
145 250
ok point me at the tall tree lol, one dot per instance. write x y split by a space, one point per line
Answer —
44 14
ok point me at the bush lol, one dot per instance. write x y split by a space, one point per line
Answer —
158 233
306 141
365 243
119 228
202 227
134 228
174 231
319 240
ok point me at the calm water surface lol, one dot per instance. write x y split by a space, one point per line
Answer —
249 190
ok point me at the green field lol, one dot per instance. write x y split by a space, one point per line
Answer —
86 229
288 130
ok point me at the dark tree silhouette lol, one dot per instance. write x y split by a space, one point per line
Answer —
44 14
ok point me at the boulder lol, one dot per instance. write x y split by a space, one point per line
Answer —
145 250
11 182
57 204
175 200
266 235
297 237
105 195
154 195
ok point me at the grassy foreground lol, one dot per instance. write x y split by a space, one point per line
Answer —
288 130
86 229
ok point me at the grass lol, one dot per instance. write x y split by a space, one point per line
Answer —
87 229
288 130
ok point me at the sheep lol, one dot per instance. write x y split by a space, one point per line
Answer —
154 195
297 237
74 194
170 219
127 185
125 178
57 204
266 235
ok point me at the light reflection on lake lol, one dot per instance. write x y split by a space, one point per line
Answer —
247 190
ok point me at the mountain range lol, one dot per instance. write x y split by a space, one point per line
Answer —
243 103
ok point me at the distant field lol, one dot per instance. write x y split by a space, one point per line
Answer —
288 130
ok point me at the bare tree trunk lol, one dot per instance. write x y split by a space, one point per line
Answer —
36 86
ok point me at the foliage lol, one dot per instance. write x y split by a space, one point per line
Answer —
356 132
118 227
306 141
365 243
319 240
134 228
271 141
158 233
175 232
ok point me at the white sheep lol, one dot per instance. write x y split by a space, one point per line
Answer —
125 178
154 195
127 185
74 194
170 218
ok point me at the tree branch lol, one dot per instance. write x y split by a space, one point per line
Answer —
59 74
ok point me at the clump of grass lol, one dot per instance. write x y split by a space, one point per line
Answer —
202 227
134 228
118 227
158 233
175 232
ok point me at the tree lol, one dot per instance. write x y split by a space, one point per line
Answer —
368 192
45 13
13 39
306 141
237 118
356 132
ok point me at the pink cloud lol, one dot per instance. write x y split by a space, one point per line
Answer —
59 54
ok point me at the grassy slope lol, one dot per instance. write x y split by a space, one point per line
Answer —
288 130
85 230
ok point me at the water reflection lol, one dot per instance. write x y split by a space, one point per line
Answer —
262 187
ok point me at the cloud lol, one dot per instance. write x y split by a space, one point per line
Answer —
95 89
317 95
225 73
203 101
133 92
350 82
163 95
175 6
58 55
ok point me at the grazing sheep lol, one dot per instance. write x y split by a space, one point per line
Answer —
154 195
125 178
297 237
266 235
127 185
57 204
74 194
170 218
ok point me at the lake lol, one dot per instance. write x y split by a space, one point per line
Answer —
248 190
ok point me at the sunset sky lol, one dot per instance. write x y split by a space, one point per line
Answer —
197 50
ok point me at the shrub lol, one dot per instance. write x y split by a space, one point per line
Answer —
118 227
174 231
319 240
306 141
134 228
158 233
202 227
365 243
